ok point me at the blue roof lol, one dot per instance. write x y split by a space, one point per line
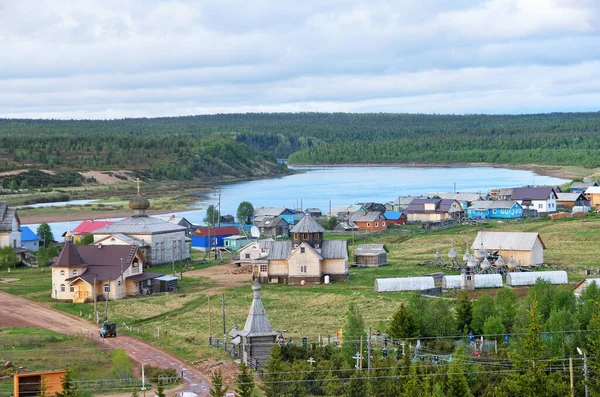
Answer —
393 215
28 235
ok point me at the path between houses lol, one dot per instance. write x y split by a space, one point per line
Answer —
19 312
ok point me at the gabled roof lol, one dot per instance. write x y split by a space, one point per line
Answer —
280 250
69 257
89 226
346 209
270 221
583 185
441 205
369 249
104 262
497 204
533 193
123 237
406 200
506 241
257 323
140 225
393 215
271 211
334 249
370 216
467 196
570 196
307 225
28 235
216 231
307 247
7 215
592 190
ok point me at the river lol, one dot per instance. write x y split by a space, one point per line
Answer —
317 186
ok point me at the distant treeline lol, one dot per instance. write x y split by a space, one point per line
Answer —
186 147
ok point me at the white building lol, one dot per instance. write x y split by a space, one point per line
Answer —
10 226
539 198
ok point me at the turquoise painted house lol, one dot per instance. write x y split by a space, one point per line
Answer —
235 242
495 210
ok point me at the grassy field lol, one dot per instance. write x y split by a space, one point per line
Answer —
308 311
39 350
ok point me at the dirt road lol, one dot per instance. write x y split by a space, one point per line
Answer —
19 312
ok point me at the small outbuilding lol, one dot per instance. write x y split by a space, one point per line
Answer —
370 255
525 248
517 279
480 281
582 285
404 284
164 284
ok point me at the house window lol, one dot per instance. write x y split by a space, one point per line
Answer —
227 243
247 256
106 288
295 236
62 288
71 288
119 283
263 268
303 269
382 223
317 246
368 225
540 206
62 272
302 250
136 264
376 224
74 272
305 236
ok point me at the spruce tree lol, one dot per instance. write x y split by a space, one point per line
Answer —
357 386
354 329
160 390
457 385
68 388
274 376
464 311
245 382
218 389
403 324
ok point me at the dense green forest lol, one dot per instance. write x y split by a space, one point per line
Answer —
195 146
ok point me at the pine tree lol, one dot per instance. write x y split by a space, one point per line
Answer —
357 386
68 388
245 382
273 384
354 329
160 390
464 311
403 324
457 385
218 389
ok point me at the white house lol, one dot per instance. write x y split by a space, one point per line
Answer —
539 198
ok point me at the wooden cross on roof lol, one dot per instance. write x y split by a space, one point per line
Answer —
137 181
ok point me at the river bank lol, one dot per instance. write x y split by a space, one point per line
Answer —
555 171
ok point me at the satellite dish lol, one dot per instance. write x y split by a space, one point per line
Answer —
254 232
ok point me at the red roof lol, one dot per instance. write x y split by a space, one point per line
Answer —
216 231
87 227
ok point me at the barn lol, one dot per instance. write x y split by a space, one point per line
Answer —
526 248
404 284
517 279
370 255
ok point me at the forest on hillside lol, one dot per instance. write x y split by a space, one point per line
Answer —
195 146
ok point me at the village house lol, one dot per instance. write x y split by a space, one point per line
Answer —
395 218
29 240
503 194
190 228
402 202
526 249
235 242
88 227
495 209
593 195
539 198
370 255
10 227
343 212
267 212
209 238
161 242
372 221
346 226
306 259
583 284
373 207
272 226
98 272
314 212
581 187
576 202
255 251
465 199
433 210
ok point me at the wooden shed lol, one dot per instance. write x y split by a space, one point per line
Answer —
30 384
370 255
164 284
526 248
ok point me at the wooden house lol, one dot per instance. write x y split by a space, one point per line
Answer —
346 226
593 195
235 242
255 250
495 209
273 226
583 284
255 341
581 187
370 255
10 227
539 198
576 202
306 259
372 221
503 194
286 214
525 248
395 218
314 212
88 272
207 238
29 240
343 212
370 206
190 228
465 199
433 210
402 202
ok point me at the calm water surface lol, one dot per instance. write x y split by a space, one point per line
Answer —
317 186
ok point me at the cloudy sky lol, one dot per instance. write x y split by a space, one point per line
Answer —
130 58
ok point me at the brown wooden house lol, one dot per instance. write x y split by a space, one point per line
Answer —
372 221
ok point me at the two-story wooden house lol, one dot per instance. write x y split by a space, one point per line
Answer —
539 198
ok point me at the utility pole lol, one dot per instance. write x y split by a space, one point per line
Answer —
209 318
369 352
94 292
106 305
223 313
122 280
586 375
219 206
361 352
173 258
571 376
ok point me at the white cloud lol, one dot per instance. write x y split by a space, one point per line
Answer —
140 58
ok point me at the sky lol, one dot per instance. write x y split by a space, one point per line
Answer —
105 59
